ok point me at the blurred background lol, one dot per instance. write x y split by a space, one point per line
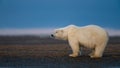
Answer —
40 17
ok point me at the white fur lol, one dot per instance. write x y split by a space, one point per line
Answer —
91 36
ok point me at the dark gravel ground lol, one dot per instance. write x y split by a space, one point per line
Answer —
60 62
49 53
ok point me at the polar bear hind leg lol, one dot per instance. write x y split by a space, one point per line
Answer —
98 52
92 53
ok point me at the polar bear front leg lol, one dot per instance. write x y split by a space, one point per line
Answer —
75 48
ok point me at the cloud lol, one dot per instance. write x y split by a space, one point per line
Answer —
111 32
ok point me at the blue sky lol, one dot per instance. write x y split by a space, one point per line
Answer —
58 13
32 14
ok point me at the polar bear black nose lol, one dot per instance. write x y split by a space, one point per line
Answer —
52 35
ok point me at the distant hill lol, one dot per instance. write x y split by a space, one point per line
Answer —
25 40
29 40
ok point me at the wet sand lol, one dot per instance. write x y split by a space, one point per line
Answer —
50 54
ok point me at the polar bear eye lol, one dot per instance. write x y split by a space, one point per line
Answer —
56 32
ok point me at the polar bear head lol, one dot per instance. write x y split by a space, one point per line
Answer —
62 33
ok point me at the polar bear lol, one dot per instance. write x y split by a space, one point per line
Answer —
90 36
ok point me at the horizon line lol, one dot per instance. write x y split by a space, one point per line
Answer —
44 31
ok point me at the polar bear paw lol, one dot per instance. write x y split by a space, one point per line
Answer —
73 55
94 56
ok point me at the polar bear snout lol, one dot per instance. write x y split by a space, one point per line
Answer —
52 36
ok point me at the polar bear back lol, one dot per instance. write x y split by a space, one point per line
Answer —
90 36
